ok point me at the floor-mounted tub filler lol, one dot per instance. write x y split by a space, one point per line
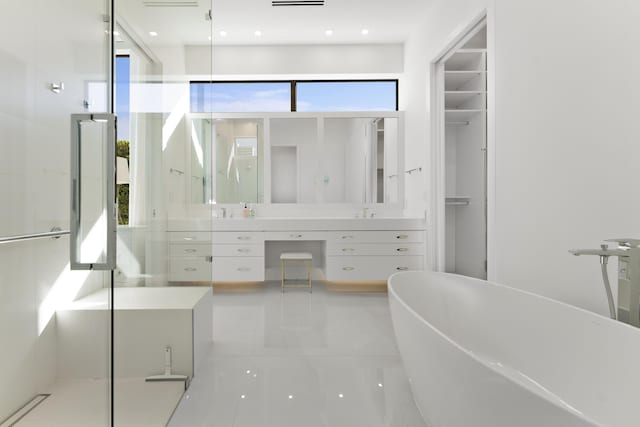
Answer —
486 355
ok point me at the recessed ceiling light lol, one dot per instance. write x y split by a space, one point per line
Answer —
291 396
364 32
153 33
223 34
340 395
257 33
328 32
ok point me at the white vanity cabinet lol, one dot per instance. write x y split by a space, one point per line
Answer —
238 256
345 249
373 255
189 256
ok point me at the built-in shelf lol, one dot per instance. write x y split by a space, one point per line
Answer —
454 80
459 99
465 59
456 201
461 115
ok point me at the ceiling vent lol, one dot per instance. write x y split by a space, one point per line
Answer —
297 3
170 3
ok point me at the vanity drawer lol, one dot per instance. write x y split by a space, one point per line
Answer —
189 269
238 250
189 236
399 249
190 250
238 269
296 235
385 236
237 237
369 267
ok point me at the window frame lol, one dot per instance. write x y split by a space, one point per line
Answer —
293 86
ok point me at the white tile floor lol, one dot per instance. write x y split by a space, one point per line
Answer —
300 359
84 403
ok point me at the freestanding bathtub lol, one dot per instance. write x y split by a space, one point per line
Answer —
480 354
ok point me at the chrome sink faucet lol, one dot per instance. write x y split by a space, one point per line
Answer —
628 253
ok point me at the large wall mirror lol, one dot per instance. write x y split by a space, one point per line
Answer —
231 170
300 158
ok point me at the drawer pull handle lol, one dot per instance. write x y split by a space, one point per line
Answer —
209 258
188 238
348 250
244 237
402 268
244 269
348 268
191 251
244 250
402 249
402 236
296 236
348 237
190 269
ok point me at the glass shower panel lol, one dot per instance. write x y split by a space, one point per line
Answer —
54 63
163 249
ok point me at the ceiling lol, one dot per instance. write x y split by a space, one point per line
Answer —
183 22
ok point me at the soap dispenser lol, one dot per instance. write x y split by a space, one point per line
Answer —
245 211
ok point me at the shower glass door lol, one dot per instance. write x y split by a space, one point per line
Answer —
163 260
55 69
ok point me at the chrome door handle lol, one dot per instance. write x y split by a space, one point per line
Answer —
244 250
348 250
402 236
191 251
190 269
244 269
402 268
348 237
402 249
348 268
105 257
244 238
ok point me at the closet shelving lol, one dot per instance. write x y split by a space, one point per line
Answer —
465 87
462 102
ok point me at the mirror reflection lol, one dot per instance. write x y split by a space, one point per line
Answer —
311 159
231 171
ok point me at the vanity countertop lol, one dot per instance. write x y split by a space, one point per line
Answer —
295 224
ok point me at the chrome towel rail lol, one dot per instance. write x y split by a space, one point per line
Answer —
55 233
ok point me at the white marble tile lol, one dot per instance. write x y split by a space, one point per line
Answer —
85 403
300 359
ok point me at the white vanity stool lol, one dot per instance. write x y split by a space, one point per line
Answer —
305 257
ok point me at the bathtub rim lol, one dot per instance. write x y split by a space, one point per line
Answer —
538 390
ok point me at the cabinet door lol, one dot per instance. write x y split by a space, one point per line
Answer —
238 269
370 267
225 237
367 249
385 236
188 269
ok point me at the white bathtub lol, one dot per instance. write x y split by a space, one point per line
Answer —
485 355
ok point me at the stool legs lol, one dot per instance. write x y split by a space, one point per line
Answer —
283 267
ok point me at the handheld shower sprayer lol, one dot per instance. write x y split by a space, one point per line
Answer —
628 253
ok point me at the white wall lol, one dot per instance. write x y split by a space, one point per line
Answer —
49 42
295 59
566 155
